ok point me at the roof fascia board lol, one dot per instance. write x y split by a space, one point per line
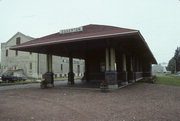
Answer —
146 45
79 38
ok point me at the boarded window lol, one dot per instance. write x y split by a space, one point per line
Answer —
18 40
55 75
30 66
78 69
16 53
6 52
61 67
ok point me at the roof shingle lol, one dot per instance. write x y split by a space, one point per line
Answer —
88 30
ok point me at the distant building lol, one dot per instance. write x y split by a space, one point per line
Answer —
34 64
159 68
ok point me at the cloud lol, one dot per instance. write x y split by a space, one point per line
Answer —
29 16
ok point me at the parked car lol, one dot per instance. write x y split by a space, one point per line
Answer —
11 78
22 78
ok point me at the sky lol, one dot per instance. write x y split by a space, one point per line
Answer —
157 20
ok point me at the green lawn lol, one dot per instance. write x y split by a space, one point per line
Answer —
168 80
66 78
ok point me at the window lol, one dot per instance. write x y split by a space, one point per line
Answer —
78 69
6 52
18 40
60 75
16 53
61 67
30 66
55 75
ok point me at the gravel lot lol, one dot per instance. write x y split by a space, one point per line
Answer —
137 102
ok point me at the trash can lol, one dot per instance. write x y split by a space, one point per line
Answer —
48 79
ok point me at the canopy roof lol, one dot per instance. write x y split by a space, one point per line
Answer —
89 33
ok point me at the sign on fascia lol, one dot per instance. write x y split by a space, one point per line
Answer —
64 31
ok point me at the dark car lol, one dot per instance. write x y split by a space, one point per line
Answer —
21 78
11 78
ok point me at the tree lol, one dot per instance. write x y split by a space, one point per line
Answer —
171 65
177 59
174 63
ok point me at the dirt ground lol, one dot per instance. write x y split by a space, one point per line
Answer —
137 102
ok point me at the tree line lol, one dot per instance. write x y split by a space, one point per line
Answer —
174 62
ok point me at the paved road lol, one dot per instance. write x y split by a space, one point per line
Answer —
37 85
138 102
32 85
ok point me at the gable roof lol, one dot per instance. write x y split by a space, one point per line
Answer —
21 34
89 31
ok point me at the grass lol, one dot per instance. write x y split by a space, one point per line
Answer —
168 80
66 78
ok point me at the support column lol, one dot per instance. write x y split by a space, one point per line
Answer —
150 69
111 74
113 59
131 73
49 63
147 72
137 62
107 59
49 76
124 63
131 64
124 75
71 74
135 67
86 70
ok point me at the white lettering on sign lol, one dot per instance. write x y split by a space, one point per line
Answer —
64 31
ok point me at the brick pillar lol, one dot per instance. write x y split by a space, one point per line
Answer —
111 73
71 73
49 76
49 63
107 59
131 73
124 74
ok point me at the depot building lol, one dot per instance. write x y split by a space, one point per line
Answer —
116 55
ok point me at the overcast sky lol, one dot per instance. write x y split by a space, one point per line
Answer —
157 20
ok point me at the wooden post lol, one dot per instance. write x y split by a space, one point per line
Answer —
49 63
111 74
71 74
107 59
131 64
124 63
124 81
113 59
